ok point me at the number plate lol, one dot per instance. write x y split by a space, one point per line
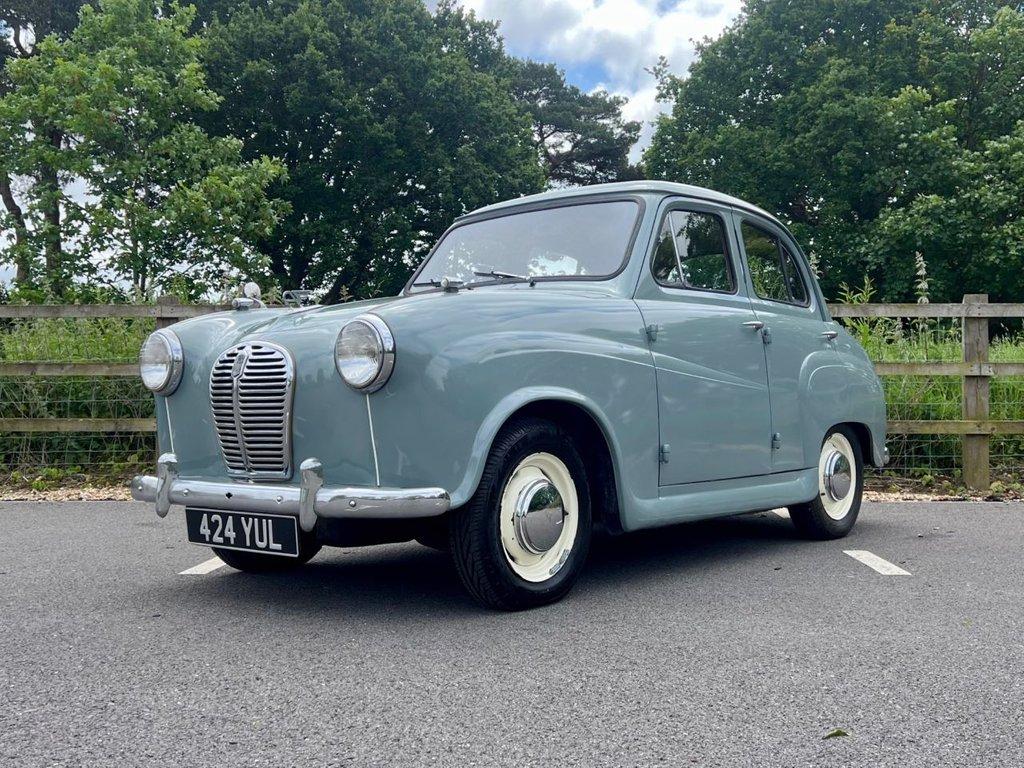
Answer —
246 531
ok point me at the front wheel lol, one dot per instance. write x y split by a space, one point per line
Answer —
522 539
832 513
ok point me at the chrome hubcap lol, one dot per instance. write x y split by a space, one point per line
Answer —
838 476
539 520
539 516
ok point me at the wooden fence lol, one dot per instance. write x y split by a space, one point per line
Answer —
975 369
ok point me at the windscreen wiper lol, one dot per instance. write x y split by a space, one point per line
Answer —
506 276
447 284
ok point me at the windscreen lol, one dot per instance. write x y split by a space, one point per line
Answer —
573 241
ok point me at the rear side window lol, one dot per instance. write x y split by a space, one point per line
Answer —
692 253
773 269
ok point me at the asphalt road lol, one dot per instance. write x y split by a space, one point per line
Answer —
722 643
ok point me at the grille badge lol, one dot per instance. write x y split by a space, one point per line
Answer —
239 366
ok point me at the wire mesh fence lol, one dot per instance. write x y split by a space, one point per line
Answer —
43 460
50 457
74 397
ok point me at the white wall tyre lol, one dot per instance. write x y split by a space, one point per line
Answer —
840 471
522 539
539 512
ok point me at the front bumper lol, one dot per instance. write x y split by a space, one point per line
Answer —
308 502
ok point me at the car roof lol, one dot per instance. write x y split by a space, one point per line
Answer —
628 187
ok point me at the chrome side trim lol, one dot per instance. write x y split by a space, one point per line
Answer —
170 427
373 442
167 488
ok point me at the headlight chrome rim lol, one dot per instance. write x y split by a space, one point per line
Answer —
385 344
176 360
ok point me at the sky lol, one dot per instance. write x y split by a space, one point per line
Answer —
610 43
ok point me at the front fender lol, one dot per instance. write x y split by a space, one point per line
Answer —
463 368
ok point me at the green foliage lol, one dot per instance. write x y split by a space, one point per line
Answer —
388 132
142 145
112 108
581 137
877 129
31 20
110 340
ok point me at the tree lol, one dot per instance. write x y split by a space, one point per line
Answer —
388 133
580 138
875 128
112 110
30 21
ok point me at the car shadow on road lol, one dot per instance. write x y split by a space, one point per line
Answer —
411 579
688 547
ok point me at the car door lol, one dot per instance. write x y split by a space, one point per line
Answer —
785 298
714 416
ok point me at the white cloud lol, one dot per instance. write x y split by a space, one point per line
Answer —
619 39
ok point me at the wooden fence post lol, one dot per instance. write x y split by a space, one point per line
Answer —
976 394
167 301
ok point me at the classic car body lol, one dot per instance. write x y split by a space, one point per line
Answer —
687 403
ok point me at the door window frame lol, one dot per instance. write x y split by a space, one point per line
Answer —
786 241
735 274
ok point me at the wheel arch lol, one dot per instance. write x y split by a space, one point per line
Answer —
577 415
864 437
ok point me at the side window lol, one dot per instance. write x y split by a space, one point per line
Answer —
773 269
692 253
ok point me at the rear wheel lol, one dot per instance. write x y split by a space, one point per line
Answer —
522 539
254 562
833 512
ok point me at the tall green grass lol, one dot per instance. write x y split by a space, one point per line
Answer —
113 340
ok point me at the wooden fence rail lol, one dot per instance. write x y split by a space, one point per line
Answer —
974 369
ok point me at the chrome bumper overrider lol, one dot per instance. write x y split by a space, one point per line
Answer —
308 501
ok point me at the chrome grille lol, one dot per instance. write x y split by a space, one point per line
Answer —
251 396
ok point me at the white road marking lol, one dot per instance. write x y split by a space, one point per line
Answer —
203 568
876 563
781 512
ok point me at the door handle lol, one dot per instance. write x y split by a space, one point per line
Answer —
829 335
754 325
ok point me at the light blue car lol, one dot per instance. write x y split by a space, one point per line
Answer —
608 358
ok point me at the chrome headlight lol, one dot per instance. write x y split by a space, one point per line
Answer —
365 353
161 362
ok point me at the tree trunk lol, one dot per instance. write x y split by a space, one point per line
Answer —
53 247
22 259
